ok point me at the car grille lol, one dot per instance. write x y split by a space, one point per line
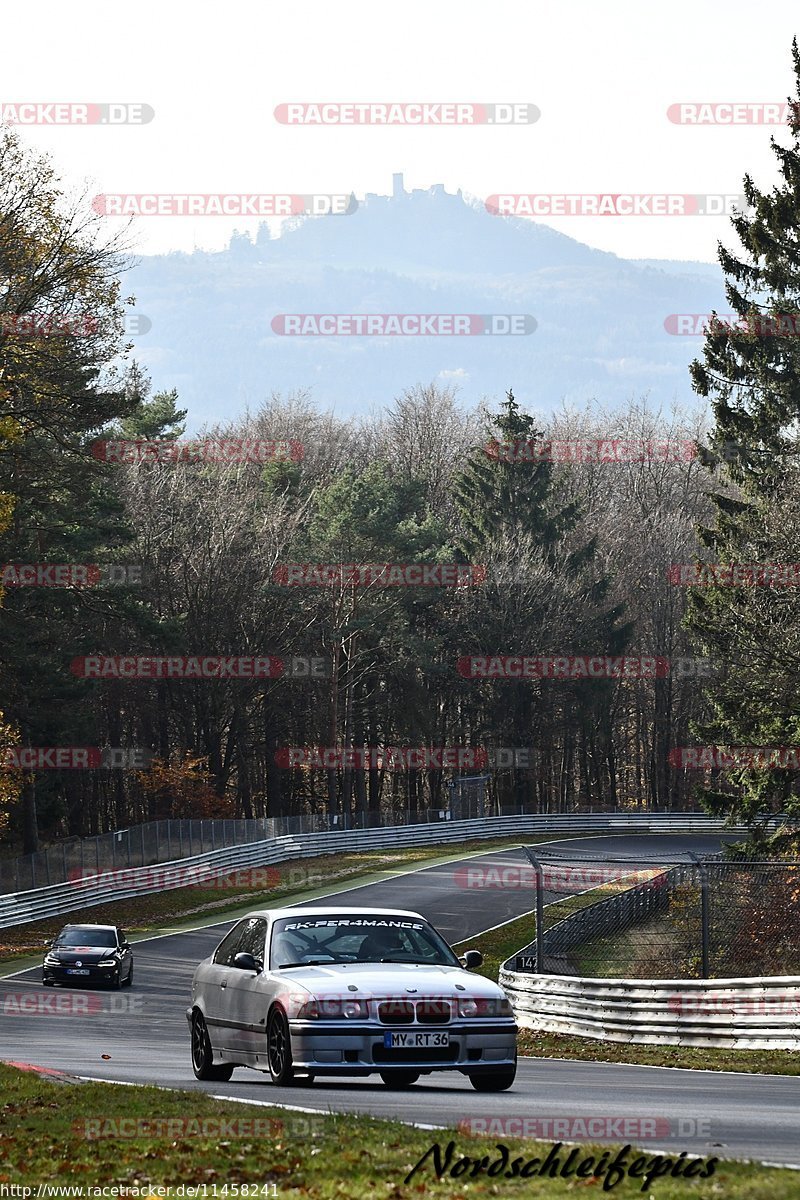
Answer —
433 1012
403 1012
396 1012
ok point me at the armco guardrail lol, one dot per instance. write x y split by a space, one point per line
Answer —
23 907
762 1013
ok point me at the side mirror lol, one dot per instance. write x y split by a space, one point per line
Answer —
245 962
47 942
471 959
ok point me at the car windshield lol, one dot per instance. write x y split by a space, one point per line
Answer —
79 935
346 938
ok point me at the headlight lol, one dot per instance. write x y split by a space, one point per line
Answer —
107 962
323 1010
52 960
471 1007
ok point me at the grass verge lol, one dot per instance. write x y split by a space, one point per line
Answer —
539 1044
326 1157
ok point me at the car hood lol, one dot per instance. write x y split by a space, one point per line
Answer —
84 953
376 980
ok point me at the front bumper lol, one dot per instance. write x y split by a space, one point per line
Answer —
61 974
341 1048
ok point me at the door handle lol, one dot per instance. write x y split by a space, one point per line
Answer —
224 985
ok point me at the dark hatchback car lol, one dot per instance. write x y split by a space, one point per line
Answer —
89 954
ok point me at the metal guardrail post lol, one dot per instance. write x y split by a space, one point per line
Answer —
539 873
704 914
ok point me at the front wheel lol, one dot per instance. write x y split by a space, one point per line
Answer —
279 1049
399 1079
494 1081
129 980
202 1054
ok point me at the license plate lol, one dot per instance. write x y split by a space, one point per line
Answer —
77 971
414 1041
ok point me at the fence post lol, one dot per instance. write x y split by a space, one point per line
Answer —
537 867
704 922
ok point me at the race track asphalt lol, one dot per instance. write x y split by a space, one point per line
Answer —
144 1033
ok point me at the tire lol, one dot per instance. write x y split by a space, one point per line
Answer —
494 1081
202 1054
129 980
116 982
46 982
279 1050
399 1079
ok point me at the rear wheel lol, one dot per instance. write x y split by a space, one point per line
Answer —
494 1081
202 1054
399 1079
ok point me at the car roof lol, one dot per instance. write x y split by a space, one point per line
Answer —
86 925
333 910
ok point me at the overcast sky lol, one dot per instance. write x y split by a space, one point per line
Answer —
603 76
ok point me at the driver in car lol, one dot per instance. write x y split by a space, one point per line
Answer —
380 944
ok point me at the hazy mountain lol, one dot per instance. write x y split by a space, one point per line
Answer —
600 319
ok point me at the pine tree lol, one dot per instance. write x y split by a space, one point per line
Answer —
751 373
543 595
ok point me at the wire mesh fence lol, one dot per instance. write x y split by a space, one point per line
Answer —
709 918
